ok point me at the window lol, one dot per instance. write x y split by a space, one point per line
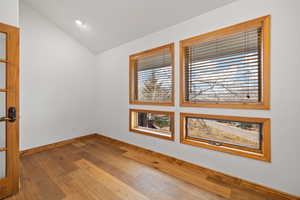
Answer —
227 68
152 76
153 123
242 136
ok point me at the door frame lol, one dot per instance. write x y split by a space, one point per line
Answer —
10 184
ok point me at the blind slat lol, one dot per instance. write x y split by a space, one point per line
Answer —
224 69
228 70
223 64
251 46
155 84
159 60
226 58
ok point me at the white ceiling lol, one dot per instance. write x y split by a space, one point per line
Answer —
114 22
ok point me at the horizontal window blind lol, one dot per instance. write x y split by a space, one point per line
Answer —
226 69
154 77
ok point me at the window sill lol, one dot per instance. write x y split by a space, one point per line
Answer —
225 149
153 133
152 103
256 106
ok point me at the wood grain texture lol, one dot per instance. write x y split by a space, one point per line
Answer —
54 145
264 104
95 169
3 61
10 184
99 167
240 189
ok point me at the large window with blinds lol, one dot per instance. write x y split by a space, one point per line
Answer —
227 68
152 76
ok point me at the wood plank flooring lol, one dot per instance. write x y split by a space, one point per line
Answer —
92 169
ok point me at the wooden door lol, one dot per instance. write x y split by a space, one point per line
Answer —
9 110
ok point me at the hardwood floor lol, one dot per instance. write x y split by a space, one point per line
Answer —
97 170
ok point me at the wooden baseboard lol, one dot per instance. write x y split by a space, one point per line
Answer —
54 145
217 176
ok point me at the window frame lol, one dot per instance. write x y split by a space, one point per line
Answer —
264 154
133 79
152 133
264 104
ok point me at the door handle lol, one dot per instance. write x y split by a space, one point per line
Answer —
11 116
4 119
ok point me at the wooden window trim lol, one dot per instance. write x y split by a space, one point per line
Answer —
149 133
133 78
264 22
264 154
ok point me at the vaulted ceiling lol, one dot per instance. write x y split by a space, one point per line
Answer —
113 22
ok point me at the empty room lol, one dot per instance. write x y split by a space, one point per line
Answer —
149 100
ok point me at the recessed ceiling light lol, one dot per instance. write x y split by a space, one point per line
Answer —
78 22
81 24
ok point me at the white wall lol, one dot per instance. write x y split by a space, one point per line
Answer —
9 12
57 75
283 172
